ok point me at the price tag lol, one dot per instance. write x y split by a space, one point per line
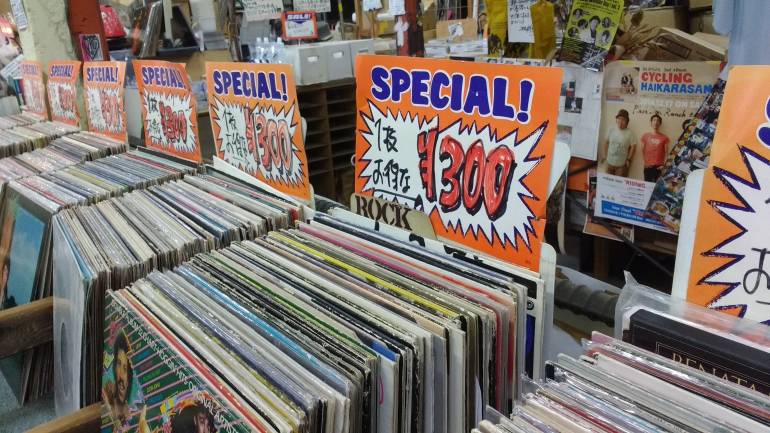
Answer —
33 88
299 26
169 109
105 98
62 91
256 123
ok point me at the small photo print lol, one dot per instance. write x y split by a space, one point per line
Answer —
568 89
573 105
564 134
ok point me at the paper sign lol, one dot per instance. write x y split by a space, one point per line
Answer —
169 109
34 90
13 69
730 268
19 14
91 47
393 214
470 147
256 123
590 31
62 91
105 96
520 21
259 10
313 5
372 5
299 26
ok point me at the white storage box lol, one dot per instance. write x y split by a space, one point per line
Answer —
338 63
309 62
360 46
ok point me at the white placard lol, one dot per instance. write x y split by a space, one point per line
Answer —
397 7
520 21
313 5
19 14
258 10
372 5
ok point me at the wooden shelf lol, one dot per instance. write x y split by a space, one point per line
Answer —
26 326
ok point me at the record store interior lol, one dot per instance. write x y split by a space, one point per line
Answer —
384 216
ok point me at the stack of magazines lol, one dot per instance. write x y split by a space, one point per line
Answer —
22 139
14 120
62 152
327 327
109 245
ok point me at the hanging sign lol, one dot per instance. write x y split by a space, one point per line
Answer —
169 108
313 5
256 123
299 26
730 268
259 10
105 95
470 147
62 91
33 88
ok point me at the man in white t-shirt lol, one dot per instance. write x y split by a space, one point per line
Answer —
619 146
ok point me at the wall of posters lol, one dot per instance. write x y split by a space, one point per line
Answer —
33 88
105 98
590 30
256 123
169 109
63 90
729 270
471 149
646 105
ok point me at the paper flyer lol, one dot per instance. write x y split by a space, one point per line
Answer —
63 90
477 162
691 152
313 5
256 123
590 31
169 109
105 98
260 10
729 270
33 88
646 105
520 21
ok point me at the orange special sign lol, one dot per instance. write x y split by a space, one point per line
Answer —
469 146
105 96
62 91
730 268
169 109
256 123
34 90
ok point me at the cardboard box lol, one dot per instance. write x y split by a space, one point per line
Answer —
670 16
718 40
701 4
338 59
457 30
309 62
675 45
703 22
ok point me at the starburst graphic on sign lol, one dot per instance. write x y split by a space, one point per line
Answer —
174 107
502 210
233 145
747 274
278 156
103 102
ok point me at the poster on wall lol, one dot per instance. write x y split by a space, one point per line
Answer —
256 123
730 268
259 10
520 21
169 109
63 90
691 152
33 88
646 106
591 28
105 96
471 149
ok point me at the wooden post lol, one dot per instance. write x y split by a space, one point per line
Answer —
85 420
26 326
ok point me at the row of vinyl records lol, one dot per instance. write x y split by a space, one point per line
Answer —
330 326
335 326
